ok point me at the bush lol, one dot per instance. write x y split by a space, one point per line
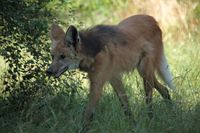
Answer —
25 48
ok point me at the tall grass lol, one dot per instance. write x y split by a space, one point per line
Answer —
62 114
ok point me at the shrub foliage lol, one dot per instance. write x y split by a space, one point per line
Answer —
25 47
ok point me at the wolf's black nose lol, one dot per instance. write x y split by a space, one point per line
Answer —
49 72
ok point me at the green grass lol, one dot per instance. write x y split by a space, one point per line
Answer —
57 114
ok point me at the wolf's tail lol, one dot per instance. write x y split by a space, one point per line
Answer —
164 72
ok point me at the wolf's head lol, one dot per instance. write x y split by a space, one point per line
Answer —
64 50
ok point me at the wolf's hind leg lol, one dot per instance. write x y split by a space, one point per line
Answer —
117 85
146 71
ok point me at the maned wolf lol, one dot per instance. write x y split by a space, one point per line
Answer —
105 52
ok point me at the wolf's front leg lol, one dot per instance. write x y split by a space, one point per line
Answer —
94 97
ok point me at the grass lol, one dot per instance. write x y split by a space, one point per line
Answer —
61 113
55 115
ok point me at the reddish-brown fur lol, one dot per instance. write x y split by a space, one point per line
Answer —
143 51
106 52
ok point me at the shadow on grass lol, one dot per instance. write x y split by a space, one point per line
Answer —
62 114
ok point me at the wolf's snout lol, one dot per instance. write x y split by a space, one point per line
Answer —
49 72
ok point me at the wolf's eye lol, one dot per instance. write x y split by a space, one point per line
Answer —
52 56
62 56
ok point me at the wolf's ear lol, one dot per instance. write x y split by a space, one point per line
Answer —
56 32
72 37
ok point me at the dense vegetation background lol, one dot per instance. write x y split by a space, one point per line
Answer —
32 102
